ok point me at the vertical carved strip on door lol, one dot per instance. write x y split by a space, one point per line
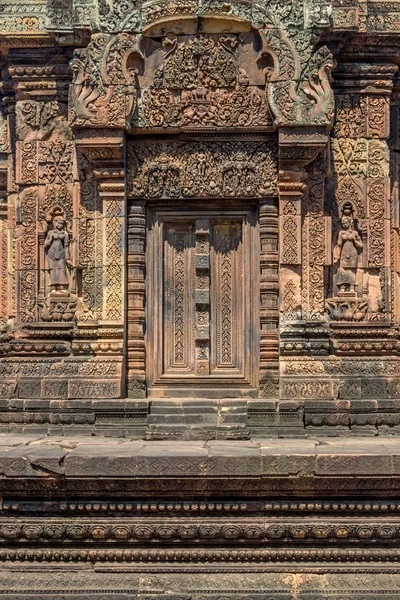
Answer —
178 297
136 261
269 297
202 297
227 296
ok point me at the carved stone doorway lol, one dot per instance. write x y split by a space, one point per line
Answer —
202 302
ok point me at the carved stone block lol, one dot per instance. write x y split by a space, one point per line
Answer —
96 388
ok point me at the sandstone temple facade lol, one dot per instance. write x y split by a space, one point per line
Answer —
199 299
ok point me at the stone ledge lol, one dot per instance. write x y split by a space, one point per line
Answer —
304 464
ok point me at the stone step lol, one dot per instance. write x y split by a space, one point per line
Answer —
183 410
164 410
196 418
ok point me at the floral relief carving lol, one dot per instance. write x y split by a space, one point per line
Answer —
289 301
201 81
290 241
26 239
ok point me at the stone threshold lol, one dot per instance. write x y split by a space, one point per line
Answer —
357 466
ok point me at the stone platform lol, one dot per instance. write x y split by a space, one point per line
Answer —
95 517
268 466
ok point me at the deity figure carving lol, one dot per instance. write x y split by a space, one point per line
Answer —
346 253
56 246
351 300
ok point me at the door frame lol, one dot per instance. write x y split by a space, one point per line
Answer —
160 385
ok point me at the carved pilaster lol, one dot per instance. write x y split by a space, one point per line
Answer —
394 145
112 198
360 189
6 185
43 178
269 292
302 239
297 148
136 358
291 253
291 188
105 152
3 262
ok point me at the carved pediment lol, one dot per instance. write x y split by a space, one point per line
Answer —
203 81
255 79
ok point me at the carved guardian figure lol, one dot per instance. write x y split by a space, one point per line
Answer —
56 246
346 253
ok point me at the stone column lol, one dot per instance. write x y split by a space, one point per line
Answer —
269 293
136 349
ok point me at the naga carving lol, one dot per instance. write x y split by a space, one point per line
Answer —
298 85
103 91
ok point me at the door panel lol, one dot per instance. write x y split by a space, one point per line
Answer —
178 278
227 324
201 310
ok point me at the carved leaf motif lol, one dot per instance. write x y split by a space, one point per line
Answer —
289 241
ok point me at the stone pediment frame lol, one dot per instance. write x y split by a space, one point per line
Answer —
107 91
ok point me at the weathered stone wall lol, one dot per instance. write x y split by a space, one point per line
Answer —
199 240
289 111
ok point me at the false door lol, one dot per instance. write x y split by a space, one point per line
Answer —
202 304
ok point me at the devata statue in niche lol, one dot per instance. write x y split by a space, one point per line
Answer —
351 294
346 253
58 305
56 246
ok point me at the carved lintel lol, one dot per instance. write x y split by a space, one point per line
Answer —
365 78
40 73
